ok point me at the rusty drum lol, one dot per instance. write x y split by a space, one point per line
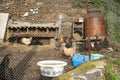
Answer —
94 24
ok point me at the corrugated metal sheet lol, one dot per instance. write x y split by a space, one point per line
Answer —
27 24
3 23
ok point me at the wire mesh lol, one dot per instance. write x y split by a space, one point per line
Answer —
18 62
113 18
13 63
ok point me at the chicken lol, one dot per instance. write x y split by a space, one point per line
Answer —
62 40
57 44
97 44
26 40
36 41
84 46
105 42
5 72
69 51
68 42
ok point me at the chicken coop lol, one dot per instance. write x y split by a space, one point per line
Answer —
39 34
18 30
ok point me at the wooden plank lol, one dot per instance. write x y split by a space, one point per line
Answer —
3 24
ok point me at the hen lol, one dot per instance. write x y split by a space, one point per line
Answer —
69 51
5 71
27 41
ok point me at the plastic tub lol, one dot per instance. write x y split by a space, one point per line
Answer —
51 68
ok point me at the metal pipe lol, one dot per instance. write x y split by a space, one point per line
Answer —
87 7
89 50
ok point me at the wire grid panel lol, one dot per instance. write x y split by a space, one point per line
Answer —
13 63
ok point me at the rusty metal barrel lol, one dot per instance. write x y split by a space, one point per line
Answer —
94 24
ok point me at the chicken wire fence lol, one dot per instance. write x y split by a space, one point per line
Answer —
13 63
113 17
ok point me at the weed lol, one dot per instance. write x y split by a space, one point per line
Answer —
117 61
110 73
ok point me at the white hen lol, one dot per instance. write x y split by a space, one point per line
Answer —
26 41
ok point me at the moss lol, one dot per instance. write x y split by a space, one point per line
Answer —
82 68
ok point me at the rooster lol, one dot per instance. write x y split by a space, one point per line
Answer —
68 42
69 51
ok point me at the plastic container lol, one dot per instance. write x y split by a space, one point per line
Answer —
86 58
77 59
51 68
97 56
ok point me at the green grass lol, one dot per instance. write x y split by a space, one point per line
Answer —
117 61
110 74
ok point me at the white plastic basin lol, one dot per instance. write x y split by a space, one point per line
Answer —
51 68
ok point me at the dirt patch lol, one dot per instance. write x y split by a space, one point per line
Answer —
39 11
24 59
